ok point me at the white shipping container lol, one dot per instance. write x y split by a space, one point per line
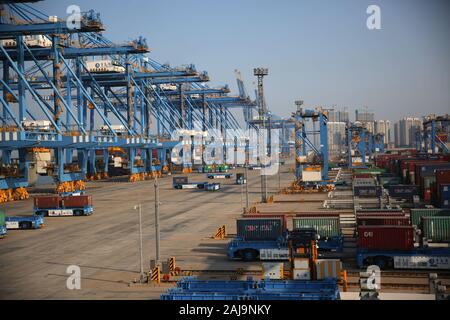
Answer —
301 263
272 270
302 274
311 176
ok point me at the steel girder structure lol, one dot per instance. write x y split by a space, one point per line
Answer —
436 132
303 141
357 144
138 91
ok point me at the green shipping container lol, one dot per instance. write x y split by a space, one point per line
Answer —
2 219
371 171
326 226
416 214
436 229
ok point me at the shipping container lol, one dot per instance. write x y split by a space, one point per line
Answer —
387 181
382 221
259 216
416 214
380 214
371 171
47 202
180 180
2 219
385 237
317 214
326 227
387 211
77 201
444 196
360 182
328 269
435 229
367 191
403 191
427 168
259 228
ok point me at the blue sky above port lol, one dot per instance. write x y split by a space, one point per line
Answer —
318 51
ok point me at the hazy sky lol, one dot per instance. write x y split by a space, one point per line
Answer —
318 50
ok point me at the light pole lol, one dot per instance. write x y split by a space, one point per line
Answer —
260 73
247 161
141 259
157 220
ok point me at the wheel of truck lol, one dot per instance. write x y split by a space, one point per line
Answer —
25 225
384 263
78 212
249 255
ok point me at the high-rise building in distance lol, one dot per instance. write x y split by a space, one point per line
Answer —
405 131
384 127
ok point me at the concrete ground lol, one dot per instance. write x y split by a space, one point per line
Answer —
33 263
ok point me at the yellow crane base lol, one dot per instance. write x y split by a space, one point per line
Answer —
7 195
70 186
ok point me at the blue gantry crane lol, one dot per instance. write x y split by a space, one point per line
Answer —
75 105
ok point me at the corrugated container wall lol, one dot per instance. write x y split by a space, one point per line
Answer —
77 201
2 219
385 237
325 227
416 214
259 229
436 229
47 202
382 221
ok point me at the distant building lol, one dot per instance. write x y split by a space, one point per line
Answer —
384 127
337 115
336 138
405 132
367 118
362 115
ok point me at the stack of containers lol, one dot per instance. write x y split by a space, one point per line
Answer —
441 189
403 191
426 175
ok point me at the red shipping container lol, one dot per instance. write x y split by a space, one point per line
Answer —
383 221
418 172
385 237
77 201
442 176
363 175
380 214
47 202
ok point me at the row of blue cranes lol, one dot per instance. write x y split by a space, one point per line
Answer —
72 100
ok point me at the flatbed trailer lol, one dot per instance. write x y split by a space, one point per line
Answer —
275 249
190 185
220 175
420 258
25 222
212 186
64 212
